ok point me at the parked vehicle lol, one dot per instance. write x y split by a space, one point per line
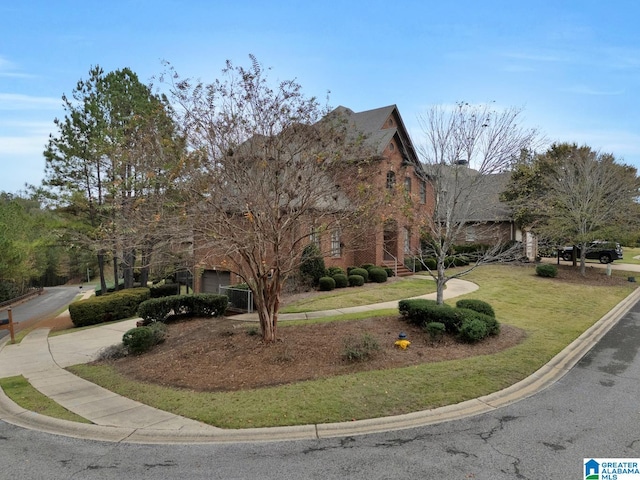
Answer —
605 252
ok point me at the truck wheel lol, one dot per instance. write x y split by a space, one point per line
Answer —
566 257
605 258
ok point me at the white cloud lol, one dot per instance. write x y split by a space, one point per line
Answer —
16 101
586 90
9 69
23 146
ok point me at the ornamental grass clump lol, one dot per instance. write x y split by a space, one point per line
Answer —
358 349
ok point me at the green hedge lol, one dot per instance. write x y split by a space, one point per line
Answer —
165 290
477 305
326 284
545 270
378 275
198 305
140 339
341 280
360 271
111 287
422 312
106 308
356 280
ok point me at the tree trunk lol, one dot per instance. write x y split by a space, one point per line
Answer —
127 270
267 297
441 280
144 270
103 282
115 272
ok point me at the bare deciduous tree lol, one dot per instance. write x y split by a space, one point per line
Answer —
267 166
465 148
574 194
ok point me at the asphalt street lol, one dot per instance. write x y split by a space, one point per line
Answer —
40 307
593 411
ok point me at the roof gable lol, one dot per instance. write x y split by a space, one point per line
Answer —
379 126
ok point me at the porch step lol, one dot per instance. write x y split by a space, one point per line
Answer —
403 271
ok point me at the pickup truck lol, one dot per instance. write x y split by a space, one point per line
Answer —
605 252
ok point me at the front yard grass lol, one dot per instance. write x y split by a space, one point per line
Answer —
519 297
356 296
21 392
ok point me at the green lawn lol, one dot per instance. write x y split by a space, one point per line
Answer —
519 297
21 392
366 295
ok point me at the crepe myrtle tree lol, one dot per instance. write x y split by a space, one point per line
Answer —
267 167
463 148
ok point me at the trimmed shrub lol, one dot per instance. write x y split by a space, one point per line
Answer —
349 269
377 275
367 266
198 305
493 326
421 311
390 272
356 280
341 280
141 339
326 284
107 308
332 271
435 330
360 271
545 270
456 261
407 306
477 306
473 330
360 349
312 265
430 263
164 290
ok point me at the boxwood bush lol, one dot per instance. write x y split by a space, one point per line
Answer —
326 284
378 275
356 280
106 308
332 271
360 271
197 305
473 330
140 339
477 305
545 270
421 312
341 280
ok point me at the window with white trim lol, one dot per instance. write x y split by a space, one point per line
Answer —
314 236
336 249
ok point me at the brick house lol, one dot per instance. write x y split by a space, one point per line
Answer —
397 176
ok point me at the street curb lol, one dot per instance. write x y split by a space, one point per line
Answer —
544 377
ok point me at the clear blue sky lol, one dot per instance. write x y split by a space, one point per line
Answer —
573 65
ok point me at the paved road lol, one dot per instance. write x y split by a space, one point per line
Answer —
592 412
41 307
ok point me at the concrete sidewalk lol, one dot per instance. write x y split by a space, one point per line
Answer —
42 359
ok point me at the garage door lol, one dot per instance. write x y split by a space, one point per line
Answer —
212 279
